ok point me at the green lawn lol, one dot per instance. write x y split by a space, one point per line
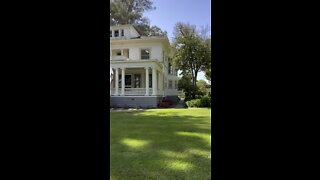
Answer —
161 144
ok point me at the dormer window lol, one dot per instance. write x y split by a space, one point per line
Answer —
116 33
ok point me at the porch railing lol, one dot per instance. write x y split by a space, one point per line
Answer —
132 91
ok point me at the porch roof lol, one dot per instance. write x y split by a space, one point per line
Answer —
136 64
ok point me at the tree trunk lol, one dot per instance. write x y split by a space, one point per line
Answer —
194 82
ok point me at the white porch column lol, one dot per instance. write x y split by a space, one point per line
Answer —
154 81
161 82
122 81
117 82
147 81
111 82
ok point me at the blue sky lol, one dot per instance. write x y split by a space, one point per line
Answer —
169 12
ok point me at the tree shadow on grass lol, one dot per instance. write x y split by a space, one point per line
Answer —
158 145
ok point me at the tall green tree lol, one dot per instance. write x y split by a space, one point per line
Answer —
185 85
192 53
206 38
208 73
202 87
207 69
156 31
131 12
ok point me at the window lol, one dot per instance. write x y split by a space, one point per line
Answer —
116 52
122 32
170 68
116 33
150 81
145 54
137 79
110 33
127 81
119 83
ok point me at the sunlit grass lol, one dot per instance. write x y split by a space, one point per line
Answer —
172 154
161 144
178 165
204 136
134 143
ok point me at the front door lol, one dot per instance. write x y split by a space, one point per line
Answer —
128 83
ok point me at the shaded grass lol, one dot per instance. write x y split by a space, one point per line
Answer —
160 144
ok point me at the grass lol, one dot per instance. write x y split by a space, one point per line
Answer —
161 144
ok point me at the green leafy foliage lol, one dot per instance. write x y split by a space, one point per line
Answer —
131 12
185 85
191 52
202 88
194 103
204 101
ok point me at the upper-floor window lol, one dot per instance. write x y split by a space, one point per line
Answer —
170 69
116 33
110 33
145 53
122 32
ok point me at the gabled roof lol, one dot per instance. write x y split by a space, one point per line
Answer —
162 39
126 26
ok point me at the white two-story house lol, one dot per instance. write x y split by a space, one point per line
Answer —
142 68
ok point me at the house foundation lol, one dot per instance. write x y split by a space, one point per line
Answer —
135 101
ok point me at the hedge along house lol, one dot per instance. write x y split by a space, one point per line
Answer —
142 69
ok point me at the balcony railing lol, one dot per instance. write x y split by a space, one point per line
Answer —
119 58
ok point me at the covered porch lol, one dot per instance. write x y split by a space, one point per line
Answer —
137 78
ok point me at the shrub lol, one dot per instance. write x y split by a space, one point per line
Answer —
165 103
194 103
205 101
187 98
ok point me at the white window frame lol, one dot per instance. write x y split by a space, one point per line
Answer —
122 32
150 51
115 33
